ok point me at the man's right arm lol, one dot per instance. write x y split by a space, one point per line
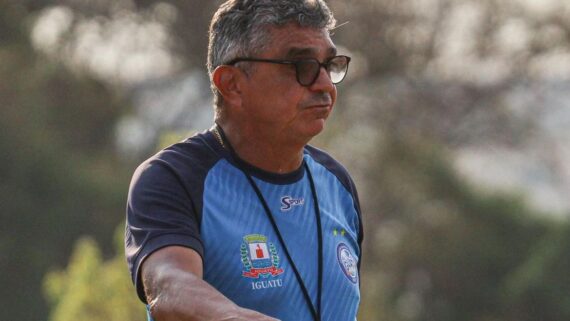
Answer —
175 291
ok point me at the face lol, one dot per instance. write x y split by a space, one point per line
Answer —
272 99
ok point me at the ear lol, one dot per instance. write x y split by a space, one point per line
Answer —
227 80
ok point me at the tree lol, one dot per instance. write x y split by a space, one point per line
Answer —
440 249
59 177
92 289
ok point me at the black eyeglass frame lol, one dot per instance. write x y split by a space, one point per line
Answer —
297 64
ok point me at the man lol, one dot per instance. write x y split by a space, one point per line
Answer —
245 221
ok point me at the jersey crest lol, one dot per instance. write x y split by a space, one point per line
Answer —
347 262
259 257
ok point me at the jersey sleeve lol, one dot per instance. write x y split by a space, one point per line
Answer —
160 213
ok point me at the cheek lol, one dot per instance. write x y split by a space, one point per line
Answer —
277 105
289 100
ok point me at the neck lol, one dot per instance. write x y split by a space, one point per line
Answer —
264 150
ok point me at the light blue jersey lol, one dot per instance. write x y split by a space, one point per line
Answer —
195 194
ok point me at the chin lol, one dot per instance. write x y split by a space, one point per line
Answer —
314 128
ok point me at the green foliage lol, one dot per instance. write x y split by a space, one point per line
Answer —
59 177
443 250
537 289
91 289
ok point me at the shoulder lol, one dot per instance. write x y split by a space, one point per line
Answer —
191 157
332 165
198 149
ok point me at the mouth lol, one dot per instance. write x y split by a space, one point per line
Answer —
321 100
325 104
318 111
319 107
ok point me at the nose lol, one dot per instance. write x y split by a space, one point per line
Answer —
323 83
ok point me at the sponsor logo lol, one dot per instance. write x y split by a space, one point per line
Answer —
287 202
347 262
259 258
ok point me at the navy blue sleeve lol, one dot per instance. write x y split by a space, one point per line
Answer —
160 212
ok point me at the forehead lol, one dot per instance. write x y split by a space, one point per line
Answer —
292 40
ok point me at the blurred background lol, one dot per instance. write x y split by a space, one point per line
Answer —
454 122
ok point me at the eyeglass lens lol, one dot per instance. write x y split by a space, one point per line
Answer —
308 70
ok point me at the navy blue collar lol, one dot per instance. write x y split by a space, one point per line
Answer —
270 177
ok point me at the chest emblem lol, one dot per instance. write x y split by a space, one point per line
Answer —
259 257
347 262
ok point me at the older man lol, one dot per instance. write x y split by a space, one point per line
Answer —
246 221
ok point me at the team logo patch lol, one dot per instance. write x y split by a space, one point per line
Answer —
347 262
259 257
287 202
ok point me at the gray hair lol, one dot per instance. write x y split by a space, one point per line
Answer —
239 27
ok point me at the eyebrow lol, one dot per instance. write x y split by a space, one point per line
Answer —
305 51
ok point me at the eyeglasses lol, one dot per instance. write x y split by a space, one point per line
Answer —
308 69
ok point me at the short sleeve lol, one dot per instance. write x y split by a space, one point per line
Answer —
160 213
